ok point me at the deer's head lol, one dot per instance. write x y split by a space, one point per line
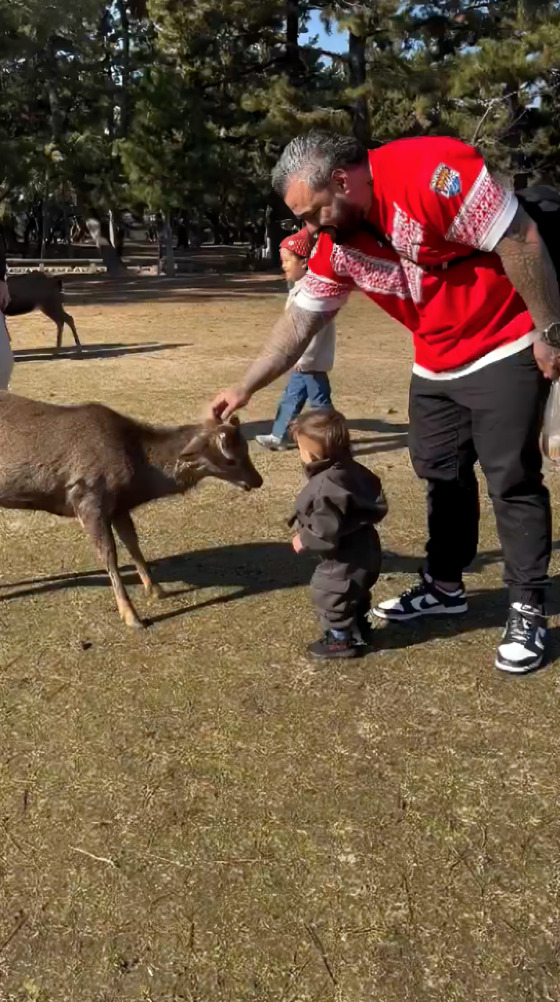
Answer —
218 449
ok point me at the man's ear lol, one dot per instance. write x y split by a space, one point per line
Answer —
339 178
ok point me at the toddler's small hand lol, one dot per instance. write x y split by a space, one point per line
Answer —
297 543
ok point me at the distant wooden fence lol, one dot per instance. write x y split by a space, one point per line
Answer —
75 265
208 258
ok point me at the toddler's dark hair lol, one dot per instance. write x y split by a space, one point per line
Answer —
326 427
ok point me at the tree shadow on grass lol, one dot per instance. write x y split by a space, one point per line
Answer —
251 569
247 569
406 563
92 351
98 290
488 609
380 436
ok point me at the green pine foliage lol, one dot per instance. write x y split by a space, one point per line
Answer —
178 107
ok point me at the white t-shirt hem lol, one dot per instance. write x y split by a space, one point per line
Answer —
313 305
504 351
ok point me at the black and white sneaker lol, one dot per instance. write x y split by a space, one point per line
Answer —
523 645
423 599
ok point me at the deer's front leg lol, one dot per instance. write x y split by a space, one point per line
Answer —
99 529
126 531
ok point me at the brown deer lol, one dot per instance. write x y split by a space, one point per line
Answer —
37 291
91 463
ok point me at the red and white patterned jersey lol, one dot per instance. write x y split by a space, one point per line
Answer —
435 205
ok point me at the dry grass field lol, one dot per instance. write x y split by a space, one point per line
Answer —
196 811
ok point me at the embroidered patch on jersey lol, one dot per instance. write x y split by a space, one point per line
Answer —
446 181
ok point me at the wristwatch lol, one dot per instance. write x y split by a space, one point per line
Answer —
551 335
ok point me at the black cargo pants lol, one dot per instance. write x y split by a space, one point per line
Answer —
493 415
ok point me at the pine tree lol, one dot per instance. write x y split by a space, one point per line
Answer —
487 73
226 91
184 107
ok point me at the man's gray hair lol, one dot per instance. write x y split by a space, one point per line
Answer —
313 157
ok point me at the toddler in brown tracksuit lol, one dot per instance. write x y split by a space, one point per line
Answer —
334 516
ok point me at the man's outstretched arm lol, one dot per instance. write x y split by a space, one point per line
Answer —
289 339
530 270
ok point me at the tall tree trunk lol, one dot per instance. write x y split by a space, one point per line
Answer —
183 232
168 244
45 215
29 227
514 135
112 228
54 115
357 64
66 225
109 256
125 82
116 233
105 29
274 233
293 58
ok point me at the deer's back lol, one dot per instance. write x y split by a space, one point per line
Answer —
45 449
29 292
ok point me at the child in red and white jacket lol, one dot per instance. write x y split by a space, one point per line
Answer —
309 380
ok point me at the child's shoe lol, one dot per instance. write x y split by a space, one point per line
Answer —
330 646
271 442
363 630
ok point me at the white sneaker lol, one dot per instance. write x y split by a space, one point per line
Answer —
423 599
523 645
271 443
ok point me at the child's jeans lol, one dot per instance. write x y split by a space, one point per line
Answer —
302 386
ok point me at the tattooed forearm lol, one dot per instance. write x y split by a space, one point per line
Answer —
290 337
529 268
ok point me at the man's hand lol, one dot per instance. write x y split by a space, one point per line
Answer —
547 359
297 543
227 401
4 296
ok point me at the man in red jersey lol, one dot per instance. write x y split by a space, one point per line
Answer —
426 232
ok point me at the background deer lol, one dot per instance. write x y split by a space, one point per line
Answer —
40 292
91 463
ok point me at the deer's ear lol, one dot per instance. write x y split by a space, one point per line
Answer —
225 446
193 447
233 420
212 422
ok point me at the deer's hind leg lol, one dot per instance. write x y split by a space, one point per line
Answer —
69 319
99 529
126 531
58 315
55 313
